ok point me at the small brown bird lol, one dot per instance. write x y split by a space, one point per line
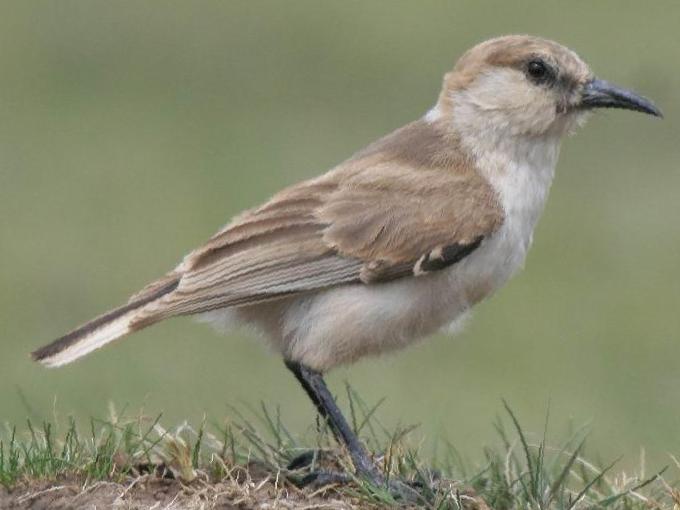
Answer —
395 243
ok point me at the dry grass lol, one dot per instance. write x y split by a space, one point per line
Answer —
126 462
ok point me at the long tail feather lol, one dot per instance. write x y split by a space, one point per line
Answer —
97 332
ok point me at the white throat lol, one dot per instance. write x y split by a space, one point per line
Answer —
521 171
520 167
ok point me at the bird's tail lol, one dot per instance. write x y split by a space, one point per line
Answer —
103 329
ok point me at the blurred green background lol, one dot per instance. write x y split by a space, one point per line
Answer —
131 131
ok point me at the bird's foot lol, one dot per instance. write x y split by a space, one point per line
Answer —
318 468
370 474
321 478
398 489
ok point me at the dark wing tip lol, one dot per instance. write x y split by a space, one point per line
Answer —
445 256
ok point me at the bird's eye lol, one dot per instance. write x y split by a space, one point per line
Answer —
538 71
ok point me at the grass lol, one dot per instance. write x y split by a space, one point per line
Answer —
243 461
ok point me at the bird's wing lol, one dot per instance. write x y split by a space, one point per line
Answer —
404 222
349 226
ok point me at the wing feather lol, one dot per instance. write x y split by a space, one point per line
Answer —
371 220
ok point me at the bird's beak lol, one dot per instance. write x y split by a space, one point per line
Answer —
602 94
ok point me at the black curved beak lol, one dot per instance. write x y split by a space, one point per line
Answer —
602 94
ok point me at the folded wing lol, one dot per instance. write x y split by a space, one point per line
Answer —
355 227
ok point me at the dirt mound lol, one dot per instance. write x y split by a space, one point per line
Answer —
152 492
148 492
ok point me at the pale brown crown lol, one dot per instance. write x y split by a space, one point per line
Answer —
514 52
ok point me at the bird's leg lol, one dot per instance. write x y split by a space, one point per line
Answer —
318 392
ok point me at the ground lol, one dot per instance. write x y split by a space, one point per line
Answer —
153 492
135 463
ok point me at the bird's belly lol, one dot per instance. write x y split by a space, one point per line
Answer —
340 325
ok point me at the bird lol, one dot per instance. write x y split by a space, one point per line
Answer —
395 243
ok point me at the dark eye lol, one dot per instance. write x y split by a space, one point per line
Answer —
538 71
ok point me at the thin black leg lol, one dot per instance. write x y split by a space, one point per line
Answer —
316 388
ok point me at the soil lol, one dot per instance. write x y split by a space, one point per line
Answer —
241 489
151 492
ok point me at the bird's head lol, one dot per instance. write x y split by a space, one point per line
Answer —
526 86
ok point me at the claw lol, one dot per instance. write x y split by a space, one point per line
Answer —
301 461
317 479
401 490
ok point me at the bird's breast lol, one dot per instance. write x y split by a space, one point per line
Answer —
521 174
